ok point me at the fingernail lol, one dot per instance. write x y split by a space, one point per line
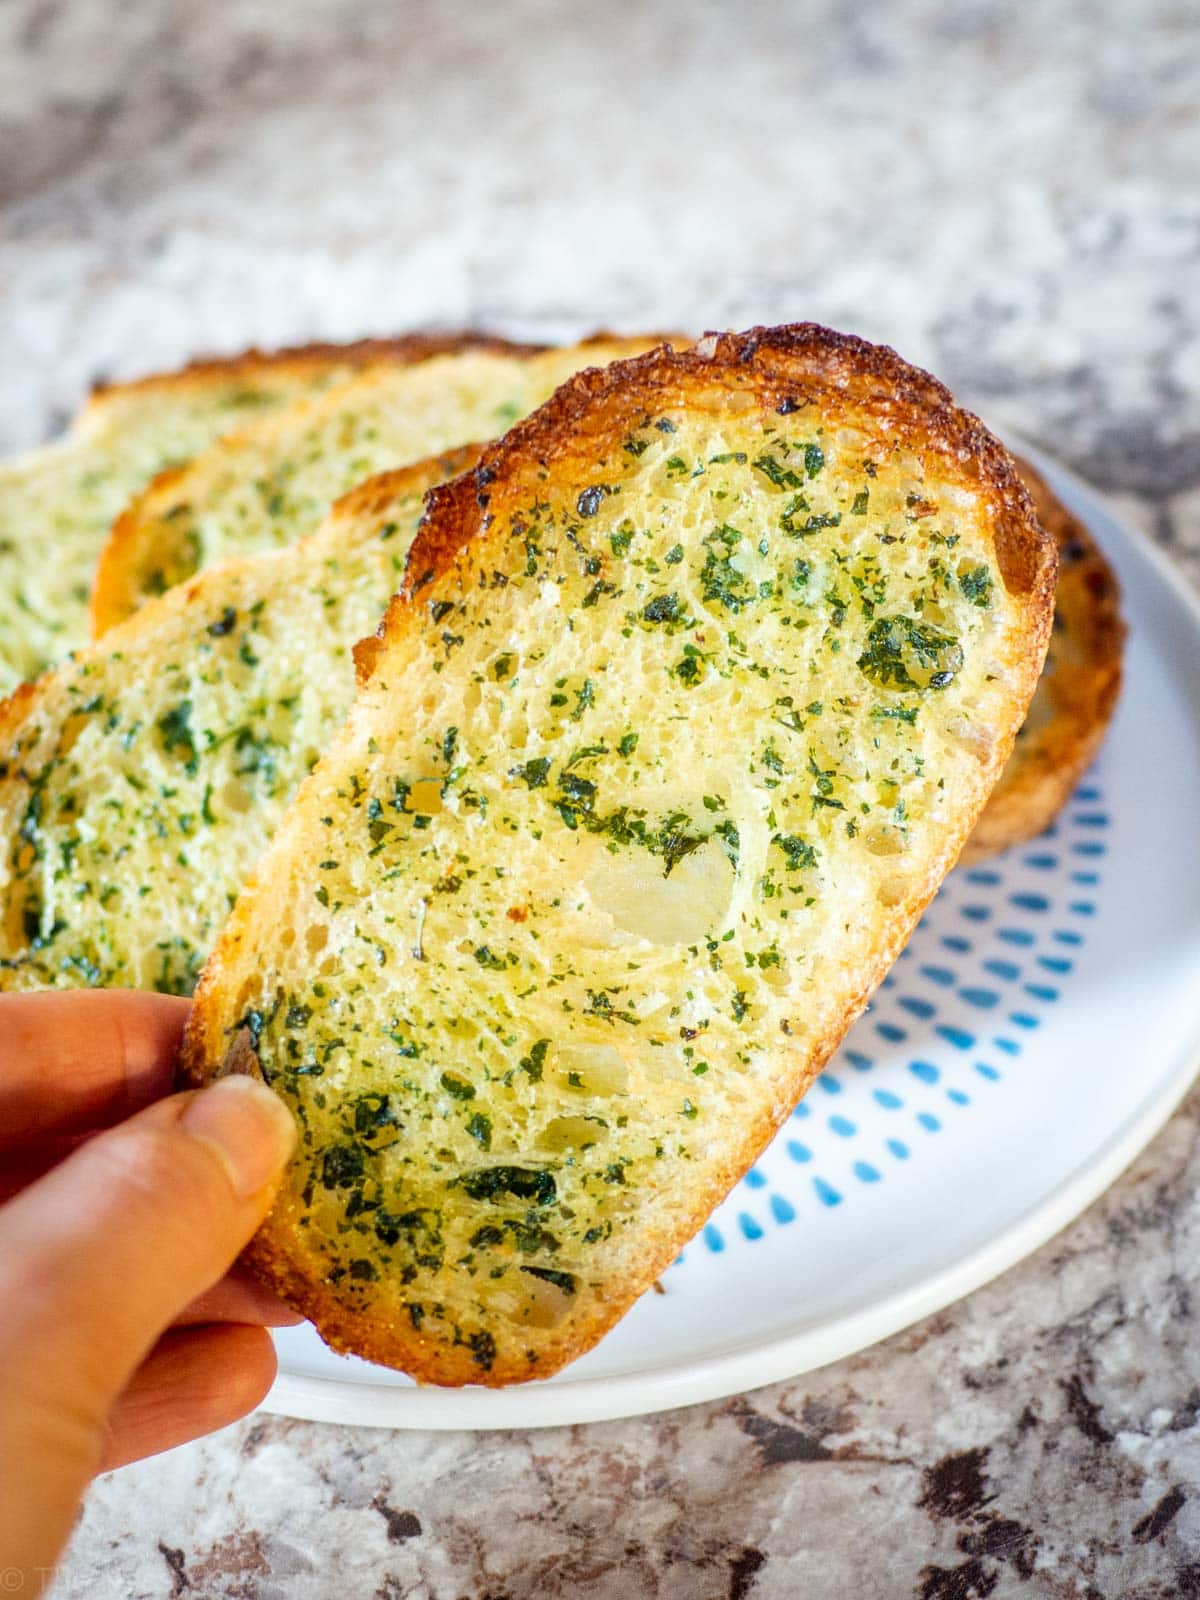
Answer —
249 1127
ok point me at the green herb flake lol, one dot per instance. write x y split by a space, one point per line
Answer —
799 852
976 585
535 1061
584 698
896 645
532 773
480 1129
523 1183
224 624
456 1088
663 608
782 477
561 1280
175 726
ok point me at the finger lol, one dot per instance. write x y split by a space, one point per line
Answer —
193 1381
20 1168
97 1257
239 1297
70 1061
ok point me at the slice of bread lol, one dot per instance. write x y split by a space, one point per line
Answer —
140 781
58 504
694 690
273 482
1076 695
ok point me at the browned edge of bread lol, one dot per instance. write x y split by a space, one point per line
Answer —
872 377
106 604
780 367
313 357
1081 684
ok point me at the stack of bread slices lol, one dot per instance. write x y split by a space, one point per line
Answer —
532 759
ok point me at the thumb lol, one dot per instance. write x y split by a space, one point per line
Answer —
97 1257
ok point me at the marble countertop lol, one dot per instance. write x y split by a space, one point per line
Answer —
1009 196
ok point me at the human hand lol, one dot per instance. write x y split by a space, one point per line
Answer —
119 1333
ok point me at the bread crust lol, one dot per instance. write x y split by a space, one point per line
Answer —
1077 693
786 365
109 602
780 369
304 360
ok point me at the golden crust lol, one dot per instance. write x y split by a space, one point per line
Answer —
775 370
1076 696
15 707
305 360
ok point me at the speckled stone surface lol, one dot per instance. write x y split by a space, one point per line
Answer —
1009 195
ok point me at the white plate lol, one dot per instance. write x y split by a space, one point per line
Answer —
1041 1026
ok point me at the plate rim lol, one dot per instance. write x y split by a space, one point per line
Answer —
804 1348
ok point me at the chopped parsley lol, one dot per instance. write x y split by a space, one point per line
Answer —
898 646
976 585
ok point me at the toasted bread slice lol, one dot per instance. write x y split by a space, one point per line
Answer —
139 781
1076 695
694 690
273 482
58 504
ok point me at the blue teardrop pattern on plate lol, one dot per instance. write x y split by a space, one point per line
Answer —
944 1033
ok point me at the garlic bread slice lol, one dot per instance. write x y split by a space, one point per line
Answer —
140 780
694 690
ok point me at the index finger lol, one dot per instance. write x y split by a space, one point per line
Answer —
71 1060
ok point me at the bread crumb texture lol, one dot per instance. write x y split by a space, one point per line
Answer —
140 781
697 684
